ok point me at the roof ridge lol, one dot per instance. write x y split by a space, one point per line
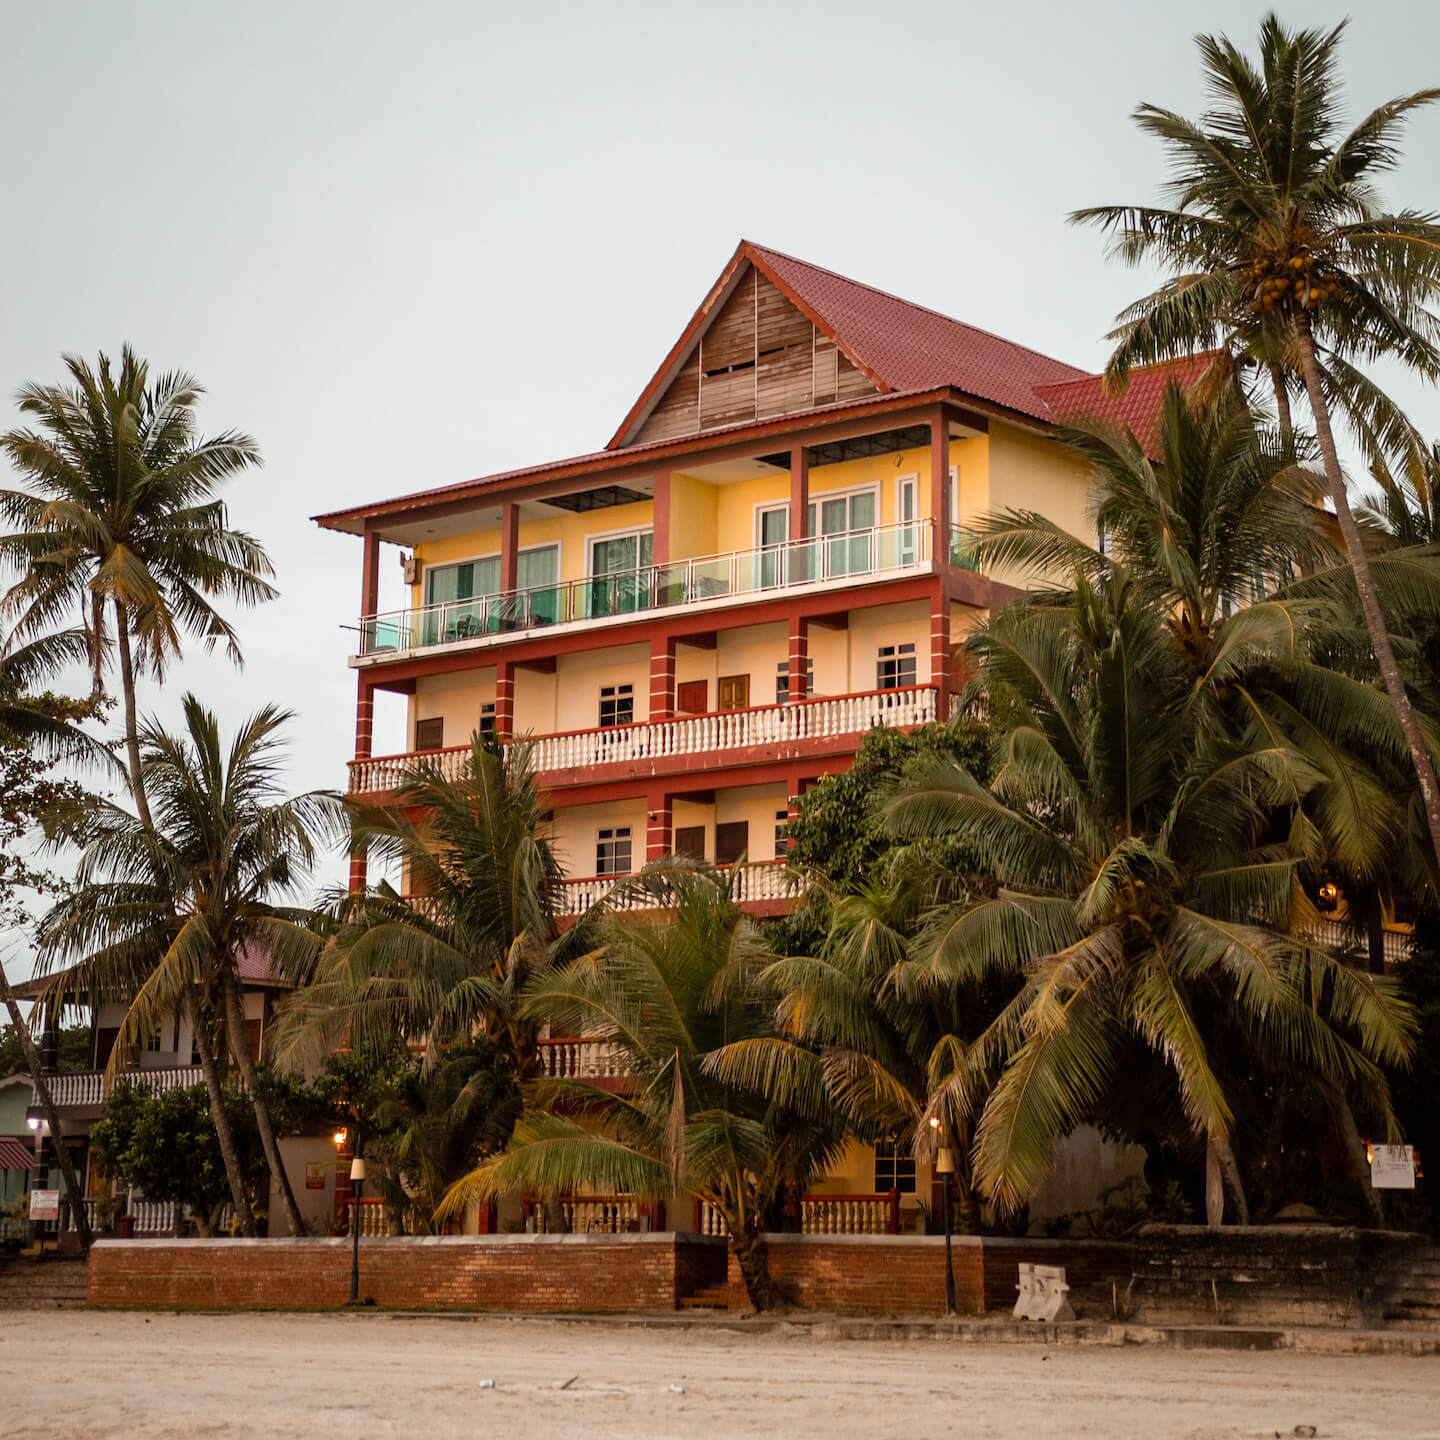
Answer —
924 309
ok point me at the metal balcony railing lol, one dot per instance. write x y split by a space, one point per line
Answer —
738 574
684 735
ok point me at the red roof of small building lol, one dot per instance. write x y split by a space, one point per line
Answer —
1138 407
14 1156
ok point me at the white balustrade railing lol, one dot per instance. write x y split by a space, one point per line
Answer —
1337 936
684 735
373 1222
751 574
824 1215
757 880
581 1059
591 1215
153 1217
85 1088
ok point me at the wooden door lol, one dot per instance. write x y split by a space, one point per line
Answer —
732 840
690 840
734 692
692 697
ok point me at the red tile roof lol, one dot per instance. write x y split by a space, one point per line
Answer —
907 347
1138 407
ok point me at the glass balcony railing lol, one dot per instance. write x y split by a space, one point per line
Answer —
740 574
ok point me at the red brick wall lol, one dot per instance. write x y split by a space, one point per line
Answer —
487 1272
878 1275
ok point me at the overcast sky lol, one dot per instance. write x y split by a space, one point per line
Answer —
407 245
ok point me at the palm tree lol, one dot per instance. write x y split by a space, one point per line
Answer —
119 524
1275 229
163 915
1145 886
457 956
667 996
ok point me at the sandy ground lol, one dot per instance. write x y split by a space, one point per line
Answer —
372 1375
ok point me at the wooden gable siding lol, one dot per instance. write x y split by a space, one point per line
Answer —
760 357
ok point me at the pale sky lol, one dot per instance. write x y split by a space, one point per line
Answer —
407 245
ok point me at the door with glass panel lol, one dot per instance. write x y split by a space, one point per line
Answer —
907 533
620 572
457 600
774 528
537 578
846 526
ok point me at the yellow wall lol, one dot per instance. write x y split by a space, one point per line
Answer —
693 508
578 679
1028 472
574 833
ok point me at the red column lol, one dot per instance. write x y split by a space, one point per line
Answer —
662 679
509 546
940 488
799 668
660 826
370 571
504 700
799 510
940 654
364 740
660 543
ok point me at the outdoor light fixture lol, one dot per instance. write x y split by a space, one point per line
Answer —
339 1138
945 1168
33 1121
357 1181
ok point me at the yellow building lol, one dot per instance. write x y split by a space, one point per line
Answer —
765 561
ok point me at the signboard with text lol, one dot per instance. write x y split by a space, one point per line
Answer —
44 1204
1392 1167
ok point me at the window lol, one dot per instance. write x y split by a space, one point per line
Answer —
612 851
782 845
617 706
732 840
537 577
894 667
848 516
734 692
782 679
692 697
466 591
430 734
487 718
907 549
155 1043
772 530
894 1169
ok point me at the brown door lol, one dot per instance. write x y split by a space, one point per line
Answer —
734 692
692 697
732 840
430 734
690 840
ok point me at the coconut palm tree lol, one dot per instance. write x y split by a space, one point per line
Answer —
1145 887
456 955
1275 226
666 996
164 915
118 524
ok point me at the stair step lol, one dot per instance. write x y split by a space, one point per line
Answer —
711 1297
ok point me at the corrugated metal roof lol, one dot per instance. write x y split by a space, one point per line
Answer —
14 1156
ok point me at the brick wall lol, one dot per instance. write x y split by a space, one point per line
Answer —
874 1274
486 1272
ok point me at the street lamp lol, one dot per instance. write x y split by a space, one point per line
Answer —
357 1181
945 1168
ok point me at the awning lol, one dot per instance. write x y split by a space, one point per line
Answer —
14 1156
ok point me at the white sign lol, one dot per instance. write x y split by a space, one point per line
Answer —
44 1204
1392 1167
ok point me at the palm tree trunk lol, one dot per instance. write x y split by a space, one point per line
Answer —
229 1153
749 1249
235 1026
52 1116
1282 403
1355 1153
1230 1172
132 725
1365 588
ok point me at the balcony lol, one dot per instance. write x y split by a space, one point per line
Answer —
88 1089
566 758
856 557
754 883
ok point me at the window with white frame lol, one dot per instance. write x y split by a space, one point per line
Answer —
617 705
782 843
612 850
782 679
894 667
894 1168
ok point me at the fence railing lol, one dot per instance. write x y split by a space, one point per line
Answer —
712 733
567 1058
824 1215
374 1225
736 574
595 1215
755 880
1336 936
90 1088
